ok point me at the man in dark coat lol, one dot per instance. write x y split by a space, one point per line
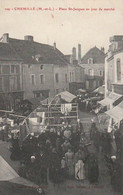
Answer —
93 169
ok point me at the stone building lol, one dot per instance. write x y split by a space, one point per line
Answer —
93 64
114 66
44 70
114 78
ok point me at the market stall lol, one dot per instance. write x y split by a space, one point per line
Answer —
61 109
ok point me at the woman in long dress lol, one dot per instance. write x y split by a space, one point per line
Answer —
79 170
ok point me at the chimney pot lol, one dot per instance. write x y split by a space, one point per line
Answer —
28 38
74 53
54 45
5 38
79 53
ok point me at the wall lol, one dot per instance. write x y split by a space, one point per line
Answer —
35 69
118 56
110 74
50 83
96 77
95 67
9 95
63 84
6 75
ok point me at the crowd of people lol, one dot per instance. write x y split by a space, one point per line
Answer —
68 152
110 145
58 153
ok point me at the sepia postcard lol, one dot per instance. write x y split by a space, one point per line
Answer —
61 97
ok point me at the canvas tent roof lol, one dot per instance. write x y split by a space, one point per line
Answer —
7 173
117 112
67 96
113 97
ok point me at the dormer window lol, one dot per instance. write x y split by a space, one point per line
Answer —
90 61
38 58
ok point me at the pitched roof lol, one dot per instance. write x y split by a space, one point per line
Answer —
31 52
96 54
7 52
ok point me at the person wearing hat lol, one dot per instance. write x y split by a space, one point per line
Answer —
31 171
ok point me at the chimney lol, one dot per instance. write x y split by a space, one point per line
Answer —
28 38
74 53
54 45
5 38
103 49
79 53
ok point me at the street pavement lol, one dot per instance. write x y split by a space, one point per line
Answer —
70 187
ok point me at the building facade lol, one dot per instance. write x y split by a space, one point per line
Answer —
43 69
93 64
114 78
10 76
114 66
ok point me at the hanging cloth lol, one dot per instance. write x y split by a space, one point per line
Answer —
41 117
66 108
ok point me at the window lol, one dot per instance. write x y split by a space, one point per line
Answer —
0 69
33 79
57 77
70 77
41 79
90 61
13 69
41 67
90 72
13 83
1 83
66 78
118 70
101 73
73 79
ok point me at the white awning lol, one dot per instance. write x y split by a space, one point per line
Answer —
110 99
6 172
67 96
116 113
